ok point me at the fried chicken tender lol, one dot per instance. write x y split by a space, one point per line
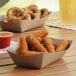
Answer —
23 49
41 34
40 39
55 45
62 45
48 44
23 46
35 43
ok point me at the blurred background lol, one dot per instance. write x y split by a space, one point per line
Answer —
52 5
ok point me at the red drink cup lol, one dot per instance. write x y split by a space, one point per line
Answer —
5 39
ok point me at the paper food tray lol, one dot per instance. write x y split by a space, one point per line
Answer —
36 61
22 25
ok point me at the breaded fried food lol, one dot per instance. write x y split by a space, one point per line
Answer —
62 45
53 42
48 44
40 39
23 49
32 40
23 46
41 34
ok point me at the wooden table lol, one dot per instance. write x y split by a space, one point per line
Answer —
65 66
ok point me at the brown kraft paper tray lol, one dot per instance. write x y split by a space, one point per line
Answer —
21 25
36 61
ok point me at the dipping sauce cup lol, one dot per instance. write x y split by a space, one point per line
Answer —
5 39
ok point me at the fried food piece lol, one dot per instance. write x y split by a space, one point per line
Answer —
30 46
55 45
15 13
34 15
26 10
23 46
32 6
47 42
40 39
44 12
27 17
35 43
41 34
23 49
62 45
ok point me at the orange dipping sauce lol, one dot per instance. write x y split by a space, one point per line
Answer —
5 39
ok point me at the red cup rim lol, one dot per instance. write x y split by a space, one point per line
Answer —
5 34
